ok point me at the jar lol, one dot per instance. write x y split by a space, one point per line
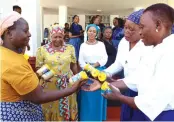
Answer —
48 75
78 77
44 69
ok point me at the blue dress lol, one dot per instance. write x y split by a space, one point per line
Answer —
126 111
92 105
76 42
173 29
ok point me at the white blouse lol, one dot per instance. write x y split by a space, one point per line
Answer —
128 59
92 54
154 80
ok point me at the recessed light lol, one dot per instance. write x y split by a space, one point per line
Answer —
99 10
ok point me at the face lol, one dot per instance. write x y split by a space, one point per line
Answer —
92 33
57 39
97 21
107 33
115 22
66 25
20 36
76 19
131 31
148 29
100 19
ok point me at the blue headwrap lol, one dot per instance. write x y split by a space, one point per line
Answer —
135 16
93 25
173 29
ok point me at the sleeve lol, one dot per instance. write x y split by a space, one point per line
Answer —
117 66
104 57
73 57
160 91
39 57
81 28
22 79
81 57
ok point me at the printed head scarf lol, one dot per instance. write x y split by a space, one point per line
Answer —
56 28
135 16
7 22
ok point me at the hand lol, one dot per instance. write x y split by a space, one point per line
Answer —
92 87
77 85
114 95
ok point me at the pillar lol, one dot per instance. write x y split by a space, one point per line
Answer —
62 15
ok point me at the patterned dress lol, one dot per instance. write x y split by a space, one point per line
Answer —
64 109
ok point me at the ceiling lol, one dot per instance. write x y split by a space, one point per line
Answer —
91 6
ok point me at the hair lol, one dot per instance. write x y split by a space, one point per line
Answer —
74 17
163 12
108 27
16 7
66 23
120 22
93 19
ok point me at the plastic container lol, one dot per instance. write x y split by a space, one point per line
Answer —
93 71
102 76
44 69
48 75
78 77
105 88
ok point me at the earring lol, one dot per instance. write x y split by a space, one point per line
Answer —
156 30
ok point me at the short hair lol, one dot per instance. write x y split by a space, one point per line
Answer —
162 11
16 7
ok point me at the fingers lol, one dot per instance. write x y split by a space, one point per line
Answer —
113 88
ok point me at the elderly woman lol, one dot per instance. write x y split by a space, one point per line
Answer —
61 58
21 93
91 104
153 80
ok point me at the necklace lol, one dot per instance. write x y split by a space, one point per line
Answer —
91 43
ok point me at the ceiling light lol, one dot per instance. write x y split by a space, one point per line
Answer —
99 10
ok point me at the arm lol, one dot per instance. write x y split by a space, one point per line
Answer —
25 82
74 68
71 31
117 66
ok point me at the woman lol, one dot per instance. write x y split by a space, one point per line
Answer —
118 32
130 52
21 93
95 20
61 59
91 104
110 49
76 35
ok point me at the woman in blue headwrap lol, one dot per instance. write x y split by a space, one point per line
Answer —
92 105
75 35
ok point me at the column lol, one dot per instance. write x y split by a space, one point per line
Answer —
32 12
62 15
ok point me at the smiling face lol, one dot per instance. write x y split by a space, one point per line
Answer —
92 32
57 39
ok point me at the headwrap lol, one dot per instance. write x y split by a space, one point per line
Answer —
8 21
93 25
135 16
173 29
56 28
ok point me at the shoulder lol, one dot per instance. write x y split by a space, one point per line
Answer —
68 46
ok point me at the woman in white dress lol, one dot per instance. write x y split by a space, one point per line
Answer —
92 105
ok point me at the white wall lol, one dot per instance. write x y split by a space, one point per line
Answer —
50 19
82 21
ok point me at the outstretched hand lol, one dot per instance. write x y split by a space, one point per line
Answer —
92 87
114 95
